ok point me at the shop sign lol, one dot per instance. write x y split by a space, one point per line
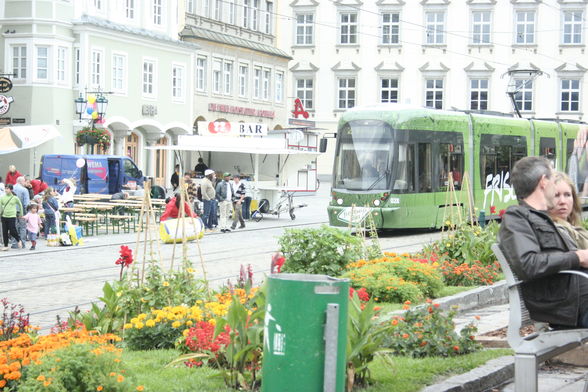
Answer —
299 109
18 121
5 102
5 84
5 120
217 107
225 128
149 110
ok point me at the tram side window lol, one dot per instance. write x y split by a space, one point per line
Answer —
547 149
425 167
498 155
404 169
451 161
569 152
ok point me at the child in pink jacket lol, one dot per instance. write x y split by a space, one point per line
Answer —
34 224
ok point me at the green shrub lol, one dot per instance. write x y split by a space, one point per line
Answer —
325 250
396 278
428 331
77 368
466 244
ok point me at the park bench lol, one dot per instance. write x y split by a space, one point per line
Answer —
544 343
124 221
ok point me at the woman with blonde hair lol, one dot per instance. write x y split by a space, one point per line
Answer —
566 211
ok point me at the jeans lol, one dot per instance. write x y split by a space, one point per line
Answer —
50 223
9 226
214 214
247 208
21 228
208 207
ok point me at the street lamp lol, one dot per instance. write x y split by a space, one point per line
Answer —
80 105
101 104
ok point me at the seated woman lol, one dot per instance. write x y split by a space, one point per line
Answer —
566 211
172 209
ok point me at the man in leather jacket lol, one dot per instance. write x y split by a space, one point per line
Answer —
537 251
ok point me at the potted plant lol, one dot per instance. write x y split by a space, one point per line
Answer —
91 136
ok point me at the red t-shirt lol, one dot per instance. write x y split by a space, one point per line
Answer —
11 177
38 186
172 212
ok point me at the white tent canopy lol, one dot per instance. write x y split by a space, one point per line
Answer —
13 139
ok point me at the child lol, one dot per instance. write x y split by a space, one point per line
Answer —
33 224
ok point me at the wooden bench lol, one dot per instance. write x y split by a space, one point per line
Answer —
121 220
537 347
87 222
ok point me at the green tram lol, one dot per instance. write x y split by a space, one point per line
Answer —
392 161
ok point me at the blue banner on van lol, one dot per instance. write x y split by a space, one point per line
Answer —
93 173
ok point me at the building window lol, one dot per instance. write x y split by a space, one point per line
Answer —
157 12
217 76
232 12
479 94
228 77
279 97
525 27
257 82
77 65
178 81
98 4
524 95
435 27
481 27
218 7
61 53
130 9
348 28
96 68
434 93
572 27
243 80
246 12
201 74
190 6
304 29
570 95
42 62
148 74
304 91
388 90
268 16
118 72
19 62
390 28
266 83
346 93
255 15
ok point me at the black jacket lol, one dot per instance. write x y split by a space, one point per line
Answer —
537 251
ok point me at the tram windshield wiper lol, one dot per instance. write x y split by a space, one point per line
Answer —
380 178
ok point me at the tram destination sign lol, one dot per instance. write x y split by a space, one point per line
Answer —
5 84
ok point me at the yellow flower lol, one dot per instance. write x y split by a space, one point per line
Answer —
190 270
128 326
165 284
176 324
139 325
150 323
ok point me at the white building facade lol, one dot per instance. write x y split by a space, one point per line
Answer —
443 54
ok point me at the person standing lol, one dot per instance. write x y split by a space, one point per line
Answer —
200 167
224 196
208 198
51 209
22 193
175 178
12 175
34 223
67 197
247 199
238 197
9 211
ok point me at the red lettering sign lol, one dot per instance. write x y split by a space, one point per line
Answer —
299 109
219 127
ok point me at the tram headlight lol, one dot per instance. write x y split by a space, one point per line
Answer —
377 202
339 201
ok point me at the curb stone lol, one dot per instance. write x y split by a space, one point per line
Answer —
497 294
493 373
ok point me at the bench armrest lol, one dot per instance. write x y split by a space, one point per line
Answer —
575 272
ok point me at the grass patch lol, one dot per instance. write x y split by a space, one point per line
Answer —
410 374
148 369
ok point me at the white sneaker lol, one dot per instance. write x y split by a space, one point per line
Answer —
5 248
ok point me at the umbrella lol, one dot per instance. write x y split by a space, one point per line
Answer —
14 139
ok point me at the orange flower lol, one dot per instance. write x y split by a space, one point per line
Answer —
455 348
407 302
120 378
477 317
140 388
47 383
99 388
405 336
41 378
436 305
2 383
405 307
394 322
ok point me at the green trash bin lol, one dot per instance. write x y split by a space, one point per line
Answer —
305 333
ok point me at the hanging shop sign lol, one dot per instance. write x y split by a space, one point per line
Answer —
217 107
5 84
226 128
5 102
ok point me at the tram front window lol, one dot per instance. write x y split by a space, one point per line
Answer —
362 160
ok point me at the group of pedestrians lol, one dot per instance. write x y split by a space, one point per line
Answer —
27 206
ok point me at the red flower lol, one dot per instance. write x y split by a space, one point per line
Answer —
278 261
493 209
126 256
362 294
501 212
